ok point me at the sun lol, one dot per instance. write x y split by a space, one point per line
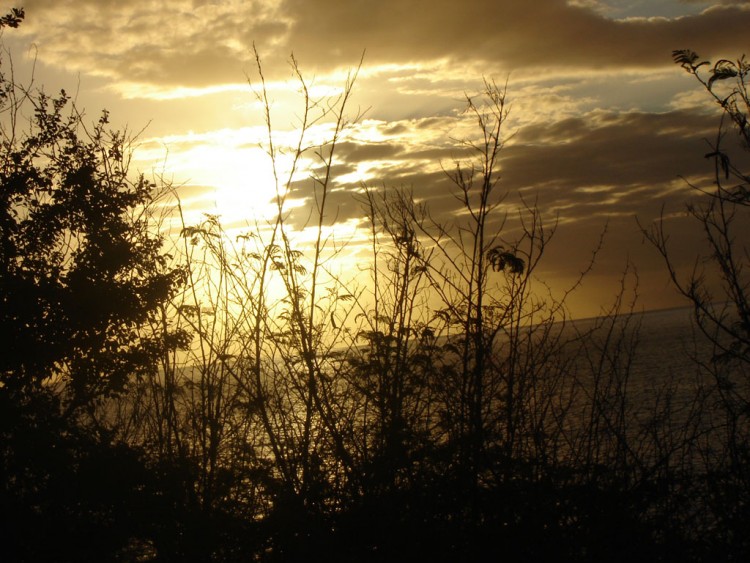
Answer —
244 183
227 171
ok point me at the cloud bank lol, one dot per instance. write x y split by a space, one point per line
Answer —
197 43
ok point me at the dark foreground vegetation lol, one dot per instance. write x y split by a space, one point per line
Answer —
207 397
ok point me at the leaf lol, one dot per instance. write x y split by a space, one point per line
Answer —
723 161
188 232
722 70
503 260
13 18
245 236
443 314
684 57
687 60
190 310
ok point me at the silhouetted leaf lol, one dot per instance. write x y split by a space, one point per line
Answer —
503 260
722 70
684 57
13 18
722 159
190 310
687 58
188 232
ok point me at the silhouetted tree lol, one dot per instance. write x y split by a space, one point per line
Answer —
81 273
718 289
722 313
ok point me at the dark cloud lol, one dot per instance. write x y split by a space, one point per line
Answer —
353 151
724 2
602 149
614 162
602 168
546 33
601 163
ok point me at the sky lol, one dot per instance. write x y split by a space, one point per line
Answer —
605 131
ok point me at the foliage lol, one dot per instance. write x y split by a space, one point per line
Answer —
443 410
81 274
13 18
718 286
717 289
80 269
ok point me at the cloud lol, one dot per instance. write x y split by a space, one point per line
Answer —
723 2
196 44
599 167
546 33
604 128
602 148
179 42
597 164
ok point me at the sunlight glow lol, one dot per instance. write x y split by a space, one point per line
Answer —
150 91
236 171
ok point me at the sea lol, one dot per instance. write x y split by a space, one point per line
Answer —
678 395
661 354
666 344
